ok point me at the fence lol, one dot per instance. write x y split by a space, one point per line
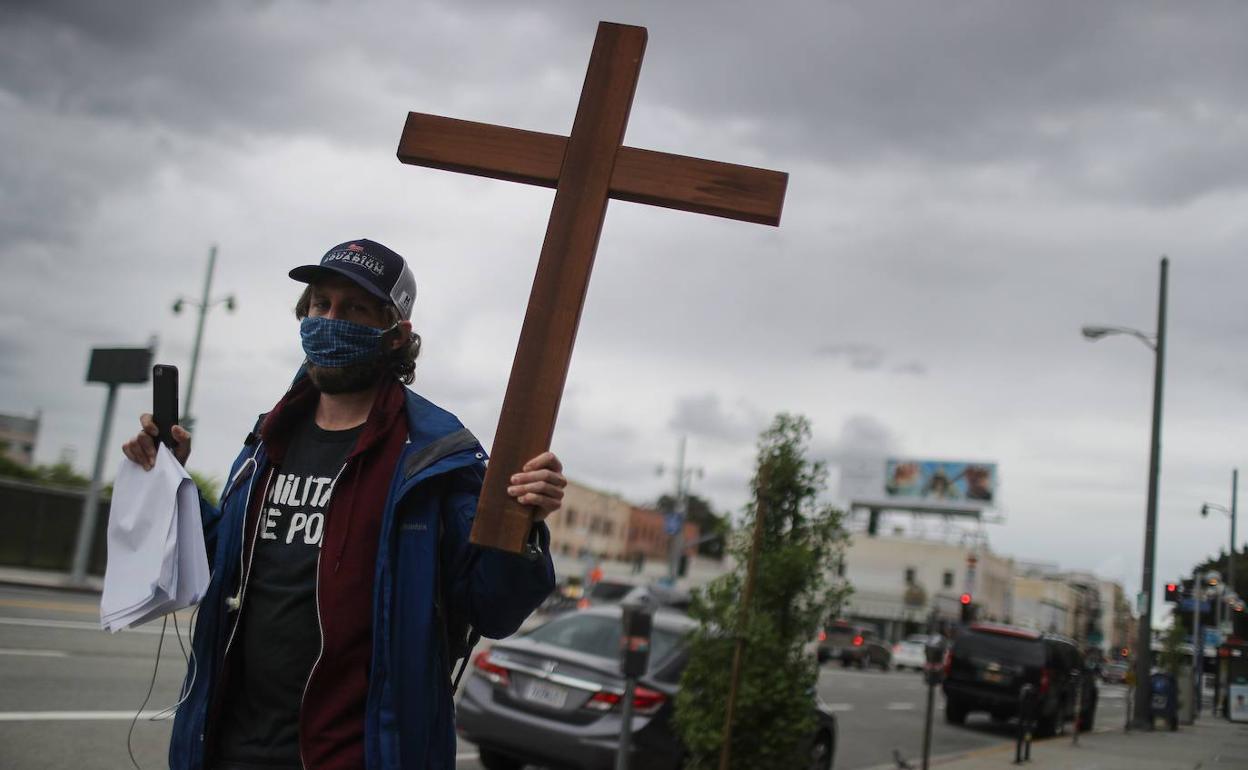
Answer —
39 525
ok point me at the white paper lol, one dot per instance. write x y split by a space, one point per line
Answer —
157 562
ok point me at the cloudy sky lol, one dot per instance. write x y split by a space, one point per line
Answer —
970 183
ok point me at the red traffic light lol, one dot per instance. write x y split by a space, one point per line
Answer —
1172 586
965 598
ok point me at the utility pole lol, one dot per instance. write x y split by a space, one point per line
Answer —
1230 556
203 305
1144 643
675 520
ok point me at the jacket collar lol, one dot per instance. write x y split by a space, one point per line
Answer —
300 401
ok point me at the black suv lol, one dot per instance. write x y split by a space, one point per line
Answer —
989 664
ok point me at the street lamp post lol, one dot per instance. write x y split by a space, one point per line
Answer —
1230 512
1157 342
204 305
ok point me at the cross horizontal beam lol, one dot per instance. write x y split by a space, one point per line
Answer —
641 176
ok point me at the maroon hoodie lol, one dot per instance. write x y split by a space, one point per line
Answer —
331 720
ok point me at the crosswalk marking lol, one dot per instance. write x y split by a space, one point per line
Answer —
899 707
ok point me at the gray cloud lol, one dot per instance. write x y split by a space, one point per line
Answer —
969 185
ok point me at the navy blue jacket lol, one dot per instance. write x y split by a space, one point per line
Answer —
409 716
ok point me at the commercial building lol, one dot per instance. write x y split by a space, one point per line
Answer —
18 436
905 585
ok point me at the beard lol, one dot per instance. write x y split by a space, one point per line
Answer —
351 378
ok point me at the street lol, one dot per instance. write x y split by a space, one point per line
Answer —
71 690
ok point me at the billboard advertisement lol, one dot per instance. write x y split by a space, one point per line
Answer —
940 482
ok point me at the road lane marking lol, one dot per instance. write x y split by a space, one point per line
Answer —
74 716
839 706
32 604
77 625
36 653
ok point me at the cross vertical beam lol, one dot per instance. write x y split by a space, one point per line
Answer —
544 352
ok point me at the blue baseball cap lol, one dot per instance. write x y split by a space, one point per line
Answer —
371 266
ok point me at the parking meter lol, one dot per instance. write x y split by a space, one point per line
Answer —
934 671
635 640
637 620
933 674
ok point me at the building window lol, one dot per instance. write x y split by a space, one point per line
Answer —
608 527
569 516
946 580
909 576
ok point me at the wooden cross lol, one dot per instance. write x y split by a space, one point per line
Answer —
586 169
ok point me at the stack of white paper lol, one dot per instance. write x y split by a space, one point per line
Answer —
156 557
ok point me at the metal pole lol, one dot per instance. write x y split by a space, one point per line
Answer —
927 726
626 728
1197 600
90 506
760 516
188 419
677 542
1230 557
1144 643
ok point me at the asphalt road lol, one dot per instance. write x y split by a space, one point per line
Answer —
70 692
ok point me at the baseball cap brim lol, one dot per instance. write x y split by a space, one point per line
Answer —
314 273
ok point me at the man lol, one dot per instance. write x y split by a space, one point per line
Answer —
343 583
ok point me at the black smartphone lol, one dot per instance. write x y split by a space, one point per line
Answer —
165 401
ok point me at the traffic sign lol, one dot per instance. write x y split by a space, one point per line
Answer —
672 523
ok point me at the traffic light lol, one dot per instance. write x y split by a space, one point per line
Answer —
968 608
1173 594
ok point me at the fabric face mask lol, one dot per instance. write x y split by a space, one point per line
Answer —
332 342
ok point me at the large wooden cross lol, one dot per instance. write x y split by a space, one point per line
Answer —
586 169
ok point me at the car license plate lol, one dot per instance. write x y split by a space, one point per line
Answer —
994 676
546 694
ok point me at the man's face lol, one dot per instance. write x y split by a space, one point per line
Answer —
342 300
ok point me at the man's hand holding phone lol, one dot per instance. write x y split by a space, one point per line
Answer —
162 426
142 448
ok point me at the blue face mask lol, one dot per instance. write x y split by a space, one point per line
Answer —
332 342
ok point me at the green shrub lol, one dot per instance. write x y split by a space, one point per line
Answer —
795 589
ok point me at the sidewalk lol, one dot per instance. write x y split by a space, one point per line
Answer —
1209 744
44 578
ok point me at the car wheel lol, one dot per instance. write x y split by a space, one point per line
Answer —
955 713
886 666
821 752
493 760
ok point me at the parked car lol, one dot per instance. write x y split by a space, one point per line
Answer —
911 652
854 645
552 697
989 664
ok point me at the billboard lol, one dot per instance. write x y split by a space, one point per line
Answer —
950 486
940 481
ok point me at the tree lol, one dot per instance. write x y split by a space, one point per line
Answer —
1172 655
209 486
699 511
794 589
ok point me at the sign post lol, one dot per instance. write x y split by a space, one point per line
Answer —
112 367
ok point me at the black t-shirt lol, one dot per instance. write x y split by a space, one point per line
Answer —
279 636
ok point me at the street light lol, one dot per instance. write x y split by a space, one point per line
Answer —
1230 512
203 305
1157 344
